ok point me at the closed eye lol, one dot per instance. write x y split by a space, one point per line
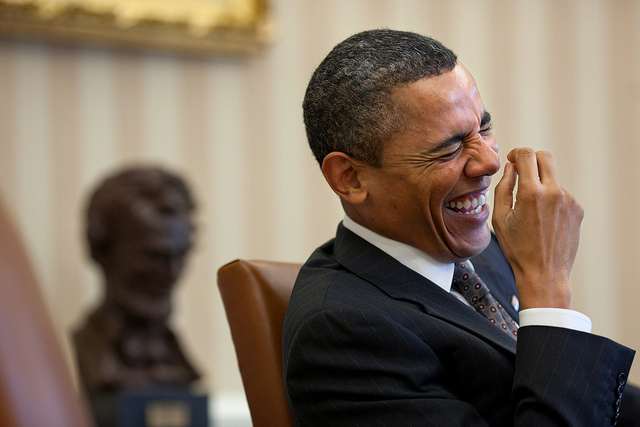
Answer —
486 130
456 148
485 124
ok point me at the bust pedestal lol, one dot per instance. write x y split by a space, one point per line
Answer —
150 408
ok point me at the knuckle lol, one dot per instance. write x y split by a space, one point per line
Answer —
573 207
526 152
579 210
544 155
571 199
559 196
533 194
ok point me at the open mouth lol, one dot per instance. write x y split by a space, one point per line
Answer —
468 205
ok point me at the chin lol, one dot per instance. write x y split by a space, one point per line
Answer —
467 249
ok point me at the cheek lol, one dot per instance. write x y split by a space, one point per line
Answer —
439 187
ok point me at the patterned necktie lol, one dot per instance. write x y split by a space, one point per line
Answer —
469 284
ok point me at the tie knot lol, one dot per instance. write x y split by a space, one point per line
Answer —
463 268
467 282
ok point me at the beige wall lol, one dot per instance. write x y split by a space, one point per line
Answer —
558 75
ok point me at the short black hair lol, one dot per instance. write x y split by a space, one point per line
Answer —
349 105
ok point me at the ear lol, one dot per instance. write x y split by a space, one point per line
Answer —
341 172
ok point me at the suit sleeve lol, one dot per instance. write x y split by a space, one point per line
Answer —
568 378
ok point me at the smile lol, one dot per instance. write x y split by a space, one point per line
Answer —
468 205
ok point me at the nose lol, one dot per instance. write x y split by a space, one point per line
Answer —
484 159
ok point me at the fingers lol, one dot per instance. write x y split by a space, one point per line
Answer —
533 166
526 164
540 231
503 194
546 167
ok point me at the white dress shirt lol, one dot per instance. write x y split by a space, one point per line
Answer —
442 275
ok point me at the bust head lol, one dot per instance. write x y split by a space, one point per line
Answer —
139 229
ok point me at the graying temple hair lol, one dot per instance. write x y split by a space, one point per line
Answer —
349 105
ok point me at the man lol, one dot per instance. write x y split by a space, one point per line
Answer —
374 334
139 229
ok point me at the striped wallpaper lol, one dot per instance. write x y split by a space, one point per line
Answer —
557 75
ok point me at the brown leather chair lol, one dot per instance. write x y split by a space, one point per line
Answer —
36 387
255 296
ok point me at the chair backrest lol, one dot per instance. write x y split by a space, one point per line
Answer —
36 387
255 296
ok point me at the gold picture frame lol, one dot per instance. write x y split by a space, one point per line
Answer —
201 27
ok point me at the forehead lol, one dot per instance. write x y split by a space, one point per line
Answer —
441 106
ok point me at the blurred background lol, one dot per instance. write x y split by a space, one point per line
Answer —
558 75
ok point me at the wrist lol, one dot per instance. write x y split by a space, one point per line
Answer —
543 293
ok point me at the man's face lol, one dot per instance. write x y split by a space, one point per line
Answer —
431 189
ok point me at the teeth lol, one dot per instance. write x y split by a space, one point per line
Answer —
475 211
475 203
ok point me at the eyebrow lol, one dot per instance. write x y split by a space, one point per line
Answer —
486 118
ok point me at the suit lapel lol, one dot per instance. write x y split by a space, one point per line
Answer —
401 283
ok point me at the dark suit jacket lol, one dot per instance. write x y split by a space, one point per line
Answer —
367 341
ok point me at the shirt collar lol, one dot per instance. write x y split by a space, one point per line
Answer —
439 273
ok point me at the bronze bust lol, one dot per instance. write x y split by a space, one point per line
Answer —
139 229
